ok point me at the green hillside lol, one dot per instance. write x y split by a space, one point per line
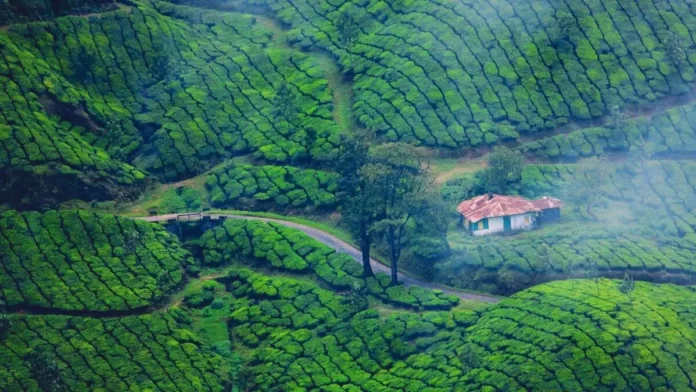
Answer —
469 73
305 132
76 260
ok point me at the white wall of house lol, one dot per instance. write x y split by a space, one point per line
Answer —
523 221
497 225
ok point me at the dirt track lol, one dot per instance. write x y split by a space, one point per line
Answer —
342 246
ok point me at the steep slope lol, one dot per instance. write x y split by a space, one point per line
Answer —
467 73
80 261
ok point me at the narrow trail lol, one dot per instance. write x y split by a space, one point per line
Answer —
343 247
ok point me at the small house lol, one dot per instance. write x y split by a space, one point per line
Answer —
489 214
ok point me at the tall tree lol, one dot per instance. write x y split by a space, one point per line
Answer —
400 174
504 168
591 177
627 286
284 108
358 198
348 28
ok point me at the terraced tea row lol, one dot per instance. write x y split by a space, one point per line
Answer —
172 90
575 335
477 72
75 260
275 246
659 194
664 134
152 352
258 186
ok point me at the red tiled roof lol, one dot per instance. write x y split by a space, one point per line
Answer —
547 202
484 207
489 207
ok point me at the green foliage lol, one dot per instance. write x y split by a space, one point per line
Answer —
564 335
82 103
279 187
151 352
14 11
504 168
452 74
76 260
667 132
182 199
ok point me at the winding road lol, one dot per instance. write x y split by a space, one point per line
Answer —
333 242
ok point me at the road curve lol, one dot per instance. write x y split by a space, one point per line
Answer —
340 246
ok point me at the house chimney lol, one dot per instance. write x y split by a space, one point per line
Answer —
490 195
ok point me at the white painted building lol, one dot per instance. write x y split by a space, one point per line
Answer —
489 214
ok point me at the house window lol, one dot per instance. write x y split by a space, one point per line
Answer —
485 223
526 220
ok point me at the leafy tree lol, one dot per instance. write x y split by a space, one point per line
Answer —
45 371
593 274
627 286
400 174
590 179
504 168
638 155
348 28
675 49
84 61
357 198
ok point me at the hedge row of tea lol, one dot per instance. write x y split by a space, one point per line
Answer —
476 72
288 249
75 260
671 131
16 11
285 186
568 335
172 90
34 143
575 335
151 352
306 338
659 194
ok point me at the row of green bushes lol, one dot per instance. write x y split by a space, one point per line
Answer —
245 186
658 194
172 90
76 260
288 249
307 338
476 73
16 11
137 353
585 336
668 132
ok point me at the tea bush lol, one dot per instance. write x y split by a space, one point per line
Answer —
479 72
283 186
151 352
76 260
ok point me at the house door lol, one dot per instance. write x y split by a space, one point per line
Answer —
507 225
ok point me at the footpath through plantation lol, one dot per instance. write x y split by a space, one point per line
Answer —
292 314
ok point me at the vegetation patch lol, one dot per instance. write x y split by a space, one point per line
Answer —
76 260
262 186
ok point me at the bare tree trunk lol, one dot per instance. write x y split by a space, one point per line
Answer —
365 243
394 260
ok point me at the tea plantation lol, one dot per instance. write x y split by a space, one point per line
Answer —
76 260
110 111
171 90
282 186
476 72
